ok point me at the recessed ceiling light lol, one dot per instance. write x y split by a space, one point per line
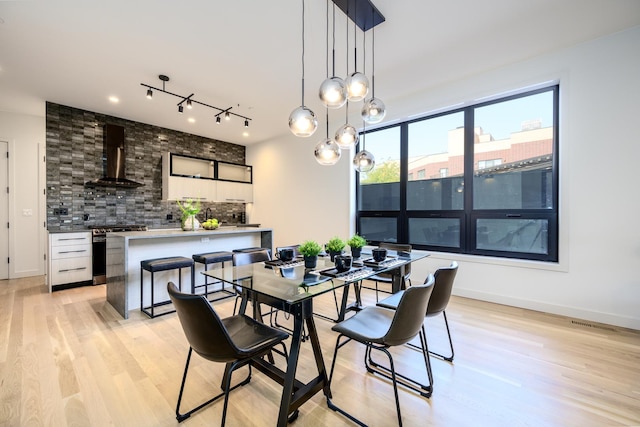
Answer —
191 120
114 99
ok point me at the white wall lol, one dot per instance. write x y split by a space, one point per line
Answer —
294 195
597 277
27 234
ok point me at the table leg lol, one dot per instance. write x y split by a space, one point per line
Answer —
397 279
292 365
317 353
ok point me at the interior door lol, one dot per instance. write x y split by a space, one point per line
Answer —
4 210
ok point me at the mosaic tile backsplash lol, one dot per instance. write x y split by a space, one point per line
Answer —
75 156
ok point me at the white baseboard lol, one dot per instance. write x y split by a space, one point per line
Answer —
578 313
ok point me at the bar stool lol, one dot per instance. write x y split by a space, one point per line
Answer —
162 264
213 258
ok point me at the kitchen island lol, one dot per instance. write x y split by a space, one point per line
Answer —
125 250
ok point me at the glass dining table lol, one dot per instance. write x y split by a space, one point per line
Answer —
291 287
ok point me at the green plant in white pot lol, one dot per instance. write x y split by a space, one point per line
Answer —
189 211
310 250
356 243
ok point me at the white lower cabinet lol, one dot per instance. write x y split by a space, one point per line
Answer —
70 258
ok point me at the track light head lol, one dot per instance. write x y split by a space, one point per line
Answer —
246 123
217 120
180 109
227 116
149 94
189 106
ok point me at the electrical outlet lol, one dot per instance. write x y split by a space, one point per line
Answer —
169 217
61 211
204 239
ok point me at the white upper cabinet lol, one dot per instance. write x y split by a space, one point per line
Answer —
186 177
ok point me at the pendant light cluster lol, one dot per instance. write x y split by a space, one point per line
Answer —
335 92
188 101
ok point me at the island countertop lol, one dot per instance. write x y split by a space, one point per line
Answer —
162 233
125 251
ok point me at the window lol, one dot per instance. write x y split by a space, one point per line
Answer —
478 180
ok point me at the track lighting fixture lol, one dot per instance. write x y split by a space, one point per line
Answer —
189 101
246 123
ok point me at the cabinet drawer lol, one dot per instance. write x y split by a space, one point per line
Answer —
70 251
63 239
70 270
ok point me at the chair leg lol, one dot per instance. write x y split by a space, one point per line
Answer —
330 404
447 358
423 389
226 387
391 370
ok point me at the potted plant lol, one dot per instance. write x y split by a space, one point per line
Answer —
310 250
335 246
189 211
356 243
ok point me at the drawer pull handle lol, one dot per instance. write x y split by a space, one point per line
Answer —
73 238
72 269
72 252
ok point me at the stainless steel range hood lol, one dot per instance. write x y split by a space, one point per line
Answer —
114 151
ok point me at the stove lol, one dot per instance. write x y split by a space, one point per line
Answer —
99 247
102 230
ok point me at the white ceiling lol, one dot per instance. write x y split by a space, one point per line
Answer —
247 54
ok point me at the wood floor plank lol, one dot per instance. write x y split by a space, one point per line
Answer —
68 359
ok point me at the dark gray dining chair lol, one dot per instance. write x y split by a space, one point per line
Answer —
387 277
245 258
444 278
234 341
379 329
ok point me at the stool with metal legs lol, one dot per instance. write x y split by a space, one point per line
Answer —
213 258
154 266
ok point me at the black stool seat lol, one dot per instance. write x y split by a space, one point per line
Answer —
168 263
162 264
247 249
213 257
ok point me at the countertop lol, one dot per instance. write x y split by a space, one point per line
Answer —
178 232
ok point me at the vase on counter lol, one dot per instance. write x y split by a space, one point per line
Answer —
191 223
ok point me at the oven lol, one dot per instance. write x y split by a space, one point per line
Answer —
99 248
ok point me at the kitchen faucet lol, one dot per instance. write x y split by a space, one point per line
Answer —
206 214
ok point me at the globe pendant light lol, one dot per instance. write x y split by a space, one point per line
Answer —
357 83
327 152
373 110
357 86
364 161
347 135
302 121
333 91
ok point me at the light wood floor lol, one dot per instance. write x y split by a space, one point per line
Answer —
68 359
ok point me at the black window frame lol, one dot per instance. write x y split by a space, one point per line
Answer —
468 216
